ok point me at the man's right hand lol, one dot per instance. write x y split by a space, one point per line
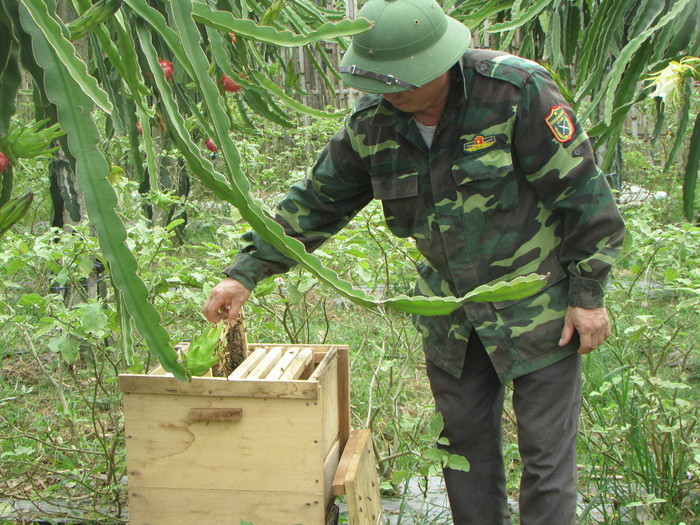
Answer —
225 301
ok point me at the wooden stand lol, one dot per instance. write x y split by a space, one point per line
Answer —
356 477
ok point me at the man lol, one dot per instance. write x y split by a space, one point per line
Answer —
476 156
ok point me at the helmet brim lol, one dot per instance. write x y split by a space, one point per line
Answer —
418 69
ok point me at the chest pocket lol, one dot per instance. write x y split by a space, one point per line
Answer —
396 185
489 175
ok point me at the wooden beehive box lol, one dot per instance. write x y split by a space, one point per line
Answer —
222 450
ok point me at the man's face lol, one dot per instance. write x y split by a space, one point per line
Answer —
425 98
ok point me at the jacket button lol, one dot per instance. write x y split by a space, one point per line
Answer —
577 152
483 66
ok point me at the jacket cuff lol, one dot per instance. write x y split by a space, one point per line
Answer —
247 270
586 293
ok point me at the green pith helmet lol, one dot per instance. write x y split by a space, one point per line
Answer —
412 42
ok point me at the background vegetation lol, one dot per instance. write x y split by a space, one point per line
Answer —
67 332
61 429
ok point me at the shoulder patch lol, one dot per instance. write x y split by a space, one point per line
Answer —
560 124
502 66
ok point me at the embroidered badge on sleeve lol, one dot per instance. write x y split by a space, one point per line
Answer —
560 123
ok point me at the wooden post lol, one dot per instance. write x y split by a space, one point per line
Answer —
351 9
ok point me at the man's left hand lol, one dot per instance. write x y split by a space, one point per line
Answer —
592 325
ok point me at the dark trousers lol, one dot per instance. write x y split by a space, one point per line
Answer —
547 406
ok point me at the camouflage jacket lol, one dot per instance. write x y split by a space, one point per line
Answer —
508 187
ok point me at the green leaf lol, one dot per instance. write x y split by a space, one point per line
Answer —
598 44
522 19
125 328
628 52
435 425
518 288
266 83
475 19
158 22
645 14
225 21
31 299
66 53
554 40
10 78
131 71
74 110
400 476
257 102
682 126
571 33
13 210
174 224
690 177
457 462
66 347
295 296
434 454
93 319
271 13
414 305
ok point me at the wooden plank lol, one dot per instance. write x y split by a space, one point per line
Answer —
266 364
217 386
344 394
344 463
329 357
158 371
289 355
321 349
319 354
364 499
361 482
276 446
158 506
248 364
296 367
308 371
330 466
328 398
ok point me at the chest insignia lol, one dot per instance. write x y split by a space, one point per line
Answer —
480 142
560 124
